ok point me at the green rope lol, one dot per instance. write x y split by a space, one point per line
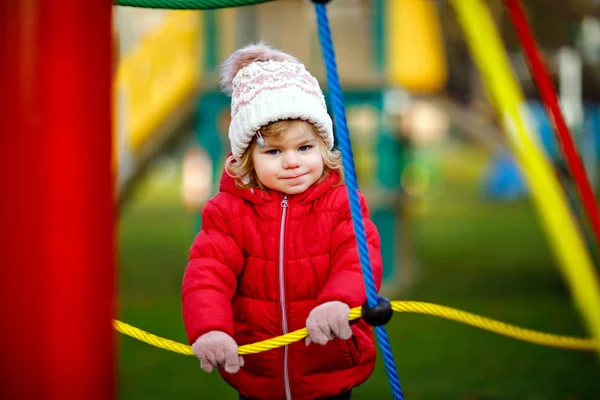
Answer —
187 4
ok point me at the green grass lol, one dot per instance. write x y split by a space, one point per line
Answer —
491 259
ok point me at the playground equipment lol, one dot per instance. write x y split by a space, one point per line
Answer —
57 275
150 113
570 79
506 96
416 59
69 269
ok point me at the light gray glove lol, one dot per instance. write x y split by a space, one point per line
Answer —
217 349
327 321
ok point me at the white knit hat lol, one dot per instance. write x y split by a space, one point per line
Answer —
267 85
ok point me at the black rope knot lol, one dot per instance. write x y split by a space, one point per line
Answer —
378 315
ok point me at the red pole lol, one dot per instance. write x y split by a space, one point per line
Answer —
56 201
550 100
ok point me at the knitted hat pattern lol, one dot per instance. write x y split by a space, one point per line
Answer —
268 85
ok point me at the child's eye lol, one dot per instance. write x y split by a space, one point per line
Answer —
273 152
304 148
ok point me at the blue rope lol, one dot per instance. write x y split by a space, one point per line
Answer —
388 362
339 116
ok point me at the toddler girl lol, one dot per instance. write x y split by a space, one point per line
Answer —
277 250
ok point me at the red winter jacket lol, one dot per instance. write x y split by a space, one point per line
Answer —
261 262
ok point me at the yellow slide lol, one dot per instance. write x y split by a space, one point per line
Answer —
414 46
156 82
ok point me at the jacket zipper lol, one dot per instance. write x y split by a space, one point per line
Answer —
286 378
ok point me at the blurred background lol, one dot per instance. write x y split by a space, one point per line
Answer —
456 219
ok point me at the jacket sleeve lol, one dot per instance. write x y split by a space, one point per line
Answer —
210 278
345 282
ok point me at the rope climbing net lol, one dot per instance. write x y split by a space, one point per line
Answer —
375 303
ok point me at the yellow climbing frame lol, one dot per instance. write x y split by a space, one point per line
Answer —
507 97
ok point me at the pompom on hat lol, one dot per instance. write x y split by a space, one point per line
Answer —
268 85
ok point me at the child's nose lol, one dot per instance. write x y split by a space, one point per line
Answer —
291 160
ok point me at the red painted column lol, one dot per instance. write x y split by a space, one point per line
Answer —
56 200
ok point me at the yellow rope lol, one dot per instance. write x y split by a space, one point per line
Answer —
527 335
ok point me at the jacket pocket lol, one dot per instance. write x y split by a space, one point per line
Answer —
352 344
316 359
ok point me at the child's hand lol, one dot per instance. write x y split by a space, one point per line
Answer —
217 349
327 321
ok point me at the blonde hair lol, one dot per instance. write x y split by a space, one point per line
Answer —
243 170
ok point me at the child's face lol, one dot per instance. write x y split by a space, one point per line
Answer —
293 163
